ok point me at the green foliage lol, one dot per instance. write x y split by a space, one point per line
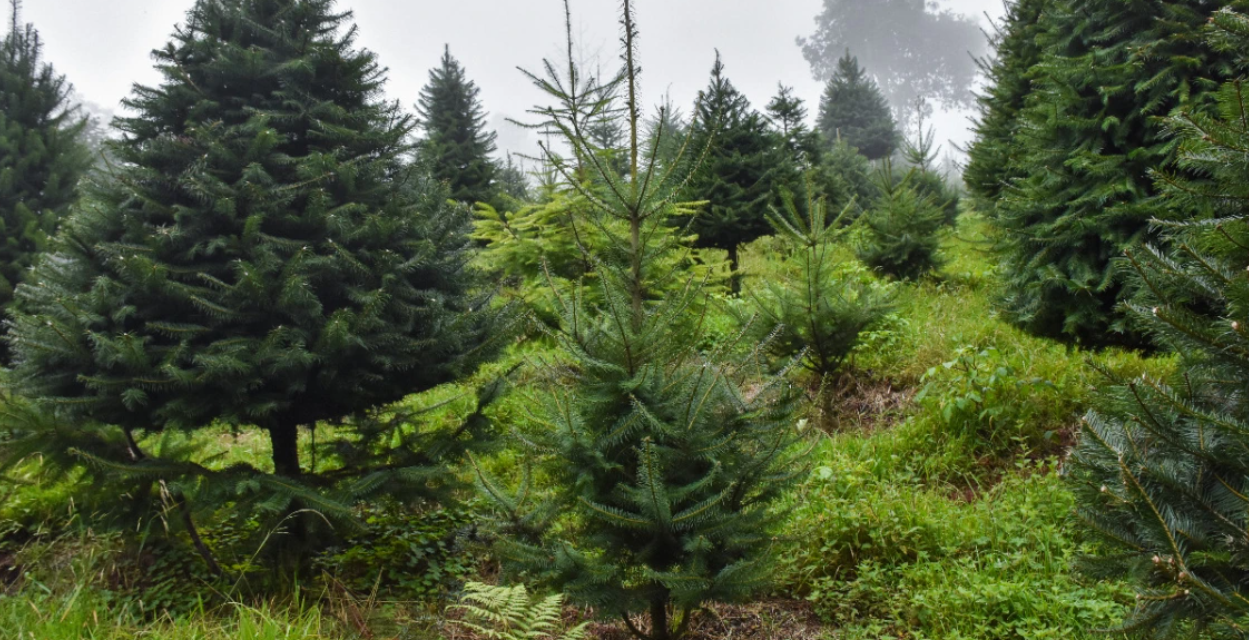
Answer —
540 254
664 473
973 397
901 230
1160 472
85 614
844 178
787 114
854 111
403 552
510 613
456 148
990 166
292 272
882 555
1081 151
42 154
817 302
921 155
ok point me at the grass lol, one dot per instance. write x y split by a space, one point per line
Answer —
946 520
88 614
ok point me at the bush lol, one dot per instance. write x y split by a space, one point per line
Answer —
979 398
408 553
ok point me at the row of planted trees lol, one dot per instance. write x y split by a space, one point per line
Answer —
1110 157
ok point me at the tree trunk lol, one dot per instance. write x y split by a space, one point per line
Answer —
285 438
735 281
659 616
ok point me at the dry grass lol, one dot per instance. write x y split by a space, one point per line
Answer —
860 403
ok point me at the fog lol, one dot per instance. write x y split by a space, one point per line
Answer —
103 47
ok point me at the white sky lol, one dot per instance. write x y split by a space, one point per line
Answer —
103 46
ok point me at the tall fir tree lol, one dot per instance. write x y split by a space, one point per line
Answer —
42 153
854 111
262 258
667 474
744 166
1160 470
1087 139
1009 71
457 144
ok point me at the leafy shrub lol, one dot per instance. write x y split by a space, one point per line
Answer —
979 398
409 553
901 230
880 553
510 613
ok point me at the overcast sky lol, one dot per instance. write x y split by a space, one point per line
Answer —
103 46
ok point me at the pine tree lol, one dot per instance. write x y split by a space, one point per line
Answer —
42 155
666 474
844 179
901 229
788 115
854 111
1160 470
262 258
817 302
457 146
1017 52
1086 141
921 154
742 169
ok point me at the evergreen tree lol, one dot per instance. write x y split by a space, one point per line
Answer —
788 115
1160 470
42 155
513 182
741 170
901 229
667 131
1017 52
921 155
817 302
457 146
854 111
844 179
1086 141
666 473
261 259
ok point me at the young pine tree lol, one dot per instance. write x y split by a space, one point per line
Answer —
260 258
1079 191
42 154
666 474
818 302
457 146
743 166
901 230
921 155
854 111
1160 470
